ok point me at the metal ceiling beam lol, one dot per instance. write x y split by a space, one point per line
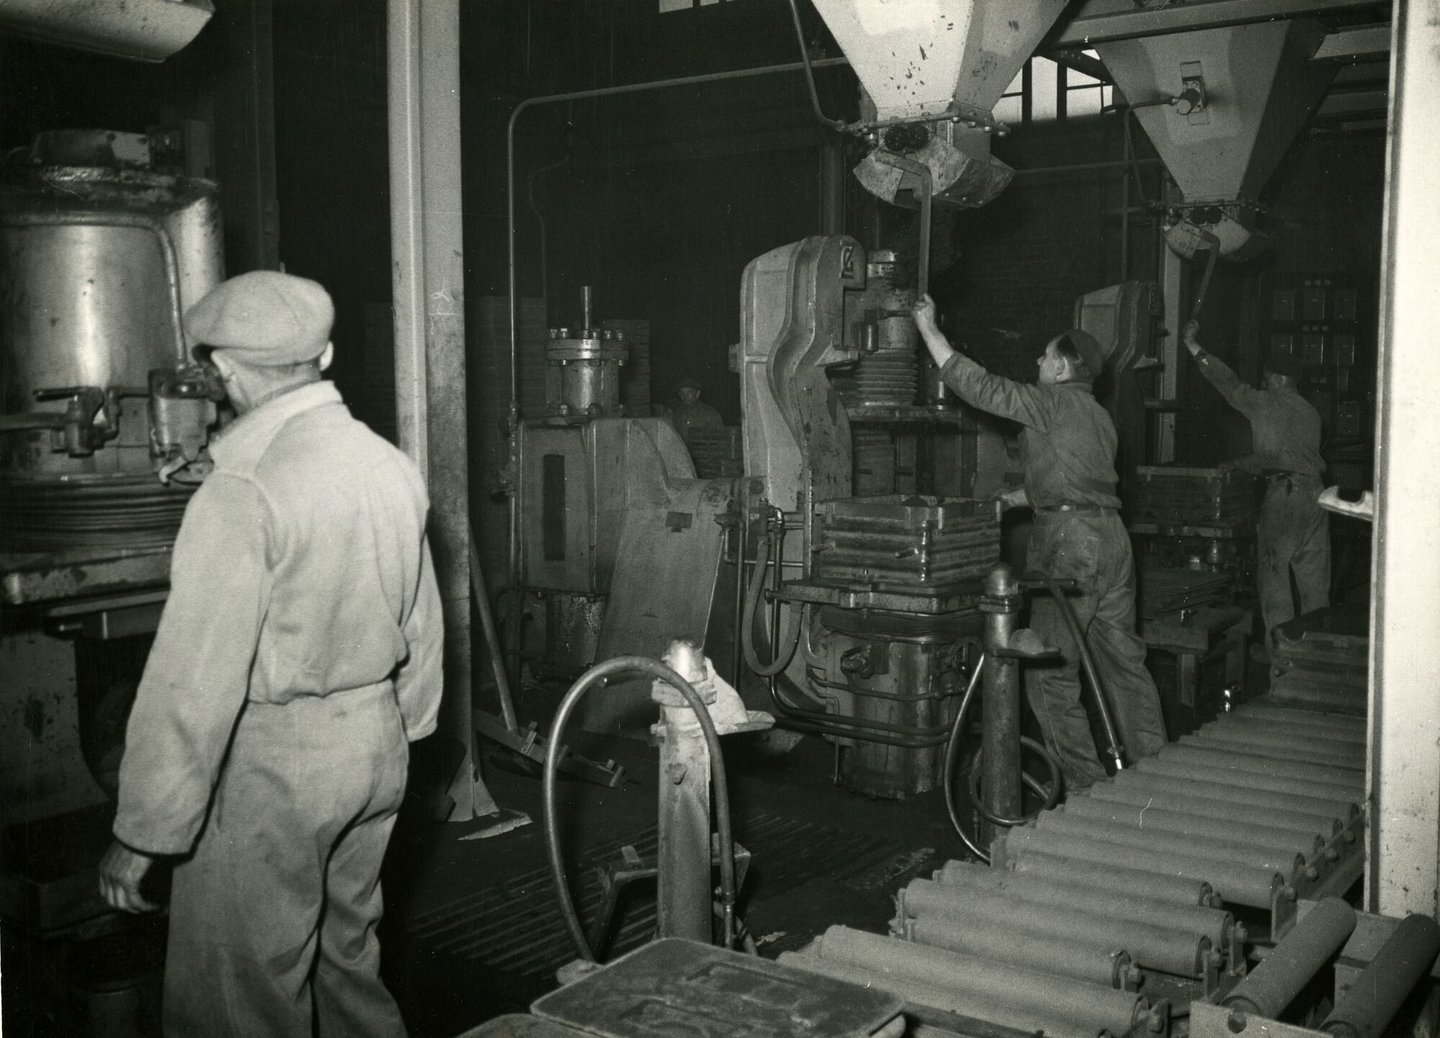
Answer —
1364 41
1099 21
1079 61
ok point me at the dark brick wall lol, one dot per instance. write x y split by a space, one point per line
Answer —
1053 235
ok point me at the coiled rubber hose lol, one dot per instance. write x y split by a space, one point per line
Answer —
1049 794
655 669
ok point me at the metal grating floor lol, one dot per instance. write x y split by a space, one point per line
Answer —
514 925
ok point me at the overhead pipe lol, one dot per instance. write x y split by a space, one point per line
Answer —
838 125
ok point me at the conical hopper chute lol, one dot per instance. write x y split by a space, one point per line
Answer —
943 63
1239 95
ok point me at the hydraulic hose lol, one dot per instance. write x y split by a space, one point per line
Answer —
952 755
1050 794
655 669
1067 611
747 620
854 727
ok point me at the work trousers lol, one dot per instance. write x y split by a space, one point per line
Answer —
1293 538
1091 547
272 922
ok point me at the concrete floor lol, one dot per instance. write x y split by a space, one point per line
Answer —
472 928
472 931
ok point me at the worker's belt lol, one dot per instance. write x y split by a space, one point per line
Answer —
1285 474
1291 481
1076 509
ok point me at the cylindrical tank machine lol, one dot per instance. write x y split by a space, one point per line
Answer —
104 421
99 255
582 372
103 425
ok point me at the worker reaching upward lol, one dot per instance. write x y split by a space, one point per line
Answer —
1293 538
1068 442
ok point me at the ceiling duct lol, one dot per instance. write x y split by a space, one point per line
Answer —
931 72
143 30
1221 106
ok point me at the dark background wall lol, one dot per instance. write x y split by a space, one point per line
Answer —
659 199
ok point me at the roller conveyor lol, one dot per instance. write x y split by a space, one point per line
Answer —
1174 867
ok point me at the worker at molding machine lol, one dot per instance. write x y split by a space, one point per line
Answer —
1069 444
298 653
1294 530
692 413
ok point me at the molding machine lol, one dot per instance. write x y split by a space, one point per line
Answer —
1202 891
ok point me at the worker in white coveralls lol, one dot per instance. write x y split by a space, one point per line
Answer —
298 654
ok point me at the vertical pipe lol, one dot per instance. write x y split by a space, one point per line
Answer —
1000 695
1172 270
832 190
1403 855
426 246
683 886
1127 157
586 311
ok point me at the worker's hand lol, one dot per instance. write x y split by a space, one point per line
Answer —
1189 336
1012 497
924 311
121 872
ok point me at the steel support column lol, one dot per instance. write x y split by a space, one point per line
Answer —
426 252
1403 854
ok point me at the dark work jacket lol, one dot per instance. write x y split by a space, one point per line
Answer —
1284 427
1068 439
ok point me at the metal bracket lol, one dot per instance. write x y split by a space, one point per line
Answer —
530 744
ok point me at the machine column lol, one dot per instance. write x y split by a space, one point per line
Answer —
683 855
1000 696
426 248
